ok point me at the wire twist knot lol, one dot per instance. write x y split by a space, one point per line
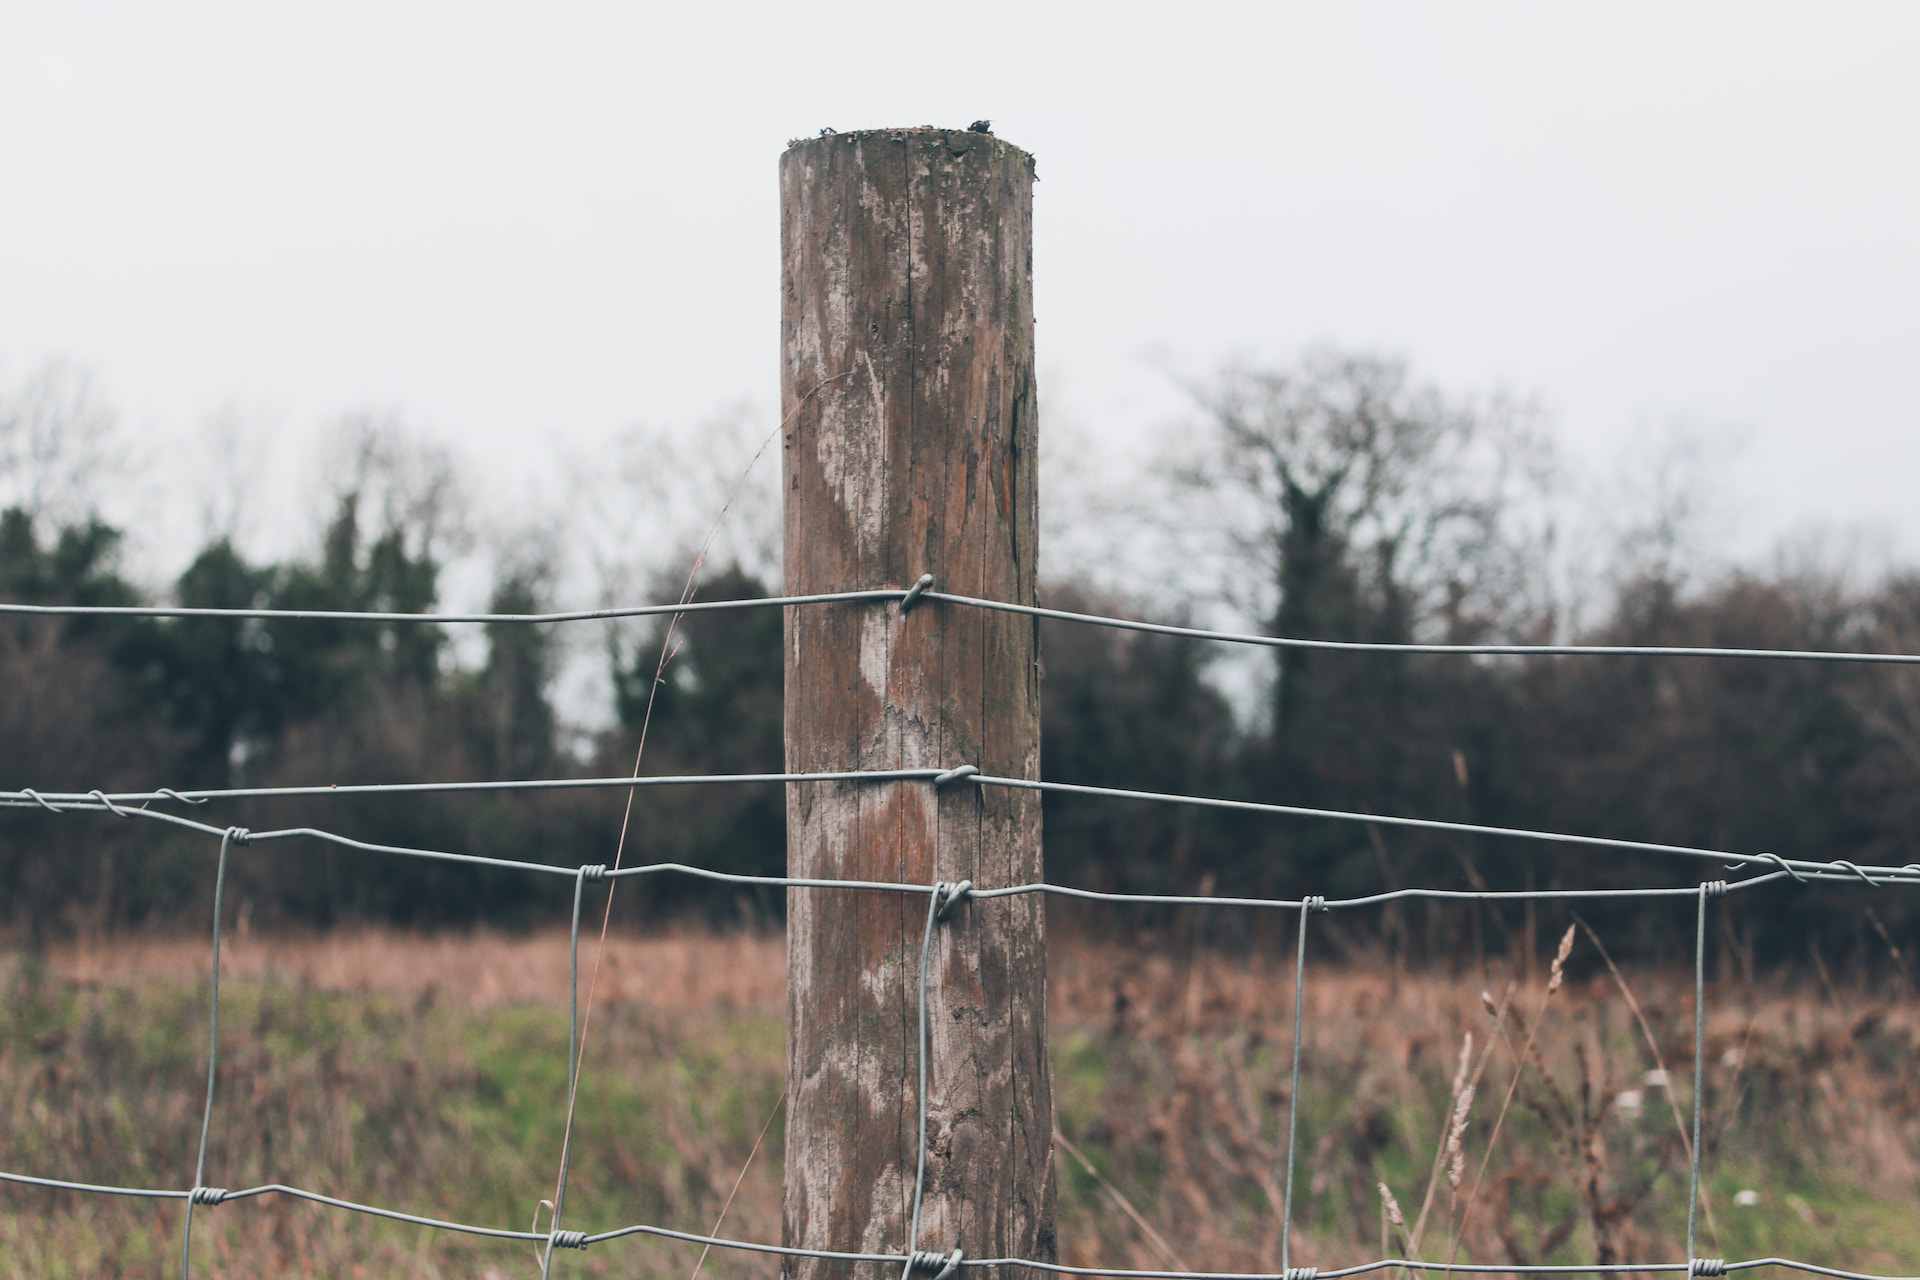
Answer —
1313 902
940 1264
1706 1266
1300 1273
567 1239
1713 888
948 896
594 871
914 592
955 774
107 803
207 1195
1843 865
238 835
1779 862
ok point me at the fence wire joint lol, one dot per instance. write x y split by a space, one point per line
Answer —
942 1265
914 592
948 896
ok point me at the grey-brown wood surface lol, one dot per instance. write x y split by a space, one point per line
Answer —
907 348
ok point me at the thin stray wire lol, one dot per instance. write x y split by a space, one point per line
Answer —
640 751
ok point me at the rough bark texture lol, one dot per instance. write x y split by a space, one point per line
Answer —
907 344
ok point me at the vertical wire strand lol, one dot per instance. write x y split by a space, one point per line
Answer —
1293 1092
920 1162
213 1054
573 1068
1699 1067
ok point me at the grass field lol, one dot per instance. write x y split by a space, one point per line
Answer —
428 1074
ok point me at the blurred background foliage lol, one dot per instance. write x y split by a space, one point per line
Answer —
1333 495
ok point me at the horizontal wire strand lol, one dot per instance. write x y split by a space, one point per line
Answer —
1907 872
1455 650
478 785
94 800
1798 870
1055 1268
887 594
487 619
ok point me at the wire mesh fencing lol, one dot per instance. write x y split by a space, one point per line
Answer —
1758 867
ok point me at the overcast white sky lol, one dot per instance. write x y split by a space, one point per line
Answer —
526 227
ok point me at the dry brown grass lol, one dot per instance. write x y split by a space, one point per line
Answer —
682 970
439 1092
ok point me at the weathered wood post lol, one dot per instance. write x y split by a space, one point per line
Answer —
907 366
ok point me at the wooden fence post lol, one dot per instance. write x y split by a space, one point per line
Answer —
907 368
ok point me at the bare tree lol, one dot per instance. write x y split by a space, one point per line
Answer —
57 442
407 481
1351 500
233 448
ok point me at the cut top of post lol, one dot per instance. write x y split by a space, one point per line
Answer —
957 141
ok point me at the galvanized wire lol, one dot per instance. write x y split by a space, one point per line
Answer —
1836 869
1389 647
620 783
1797 870
940 897
1293 1089
486 619
1709 889
1416 1264
920 591
936 892
232 836
1827 872
898 1259
1910 871
594 872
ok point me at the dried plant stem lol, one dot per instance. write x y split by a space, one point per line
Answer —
1440 1148
725 1208
1659 1062
1392 1217
1121 1202
1513 1087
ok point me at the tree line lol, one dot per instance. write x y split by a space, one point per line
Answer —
1335 496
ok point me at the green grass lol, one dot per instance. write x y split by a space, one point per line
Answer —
423 1103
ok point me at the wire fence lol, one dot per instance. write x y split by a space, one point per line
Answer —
1764 868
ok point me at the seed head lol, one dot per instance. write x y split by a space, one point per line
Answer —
1559 969
1392 1207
